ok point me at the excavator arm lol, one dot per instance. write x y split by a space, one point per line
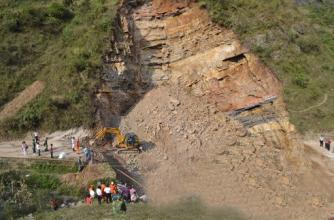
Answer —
113 131
127 141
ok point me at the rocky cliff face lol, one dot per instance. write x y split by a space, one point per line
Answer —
158 42
214 112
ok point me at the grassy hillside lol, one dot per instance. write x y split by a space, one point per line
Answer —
187 210
61 43
295 39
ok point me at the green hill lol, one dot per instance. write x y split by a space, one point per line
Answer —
295 39
60 43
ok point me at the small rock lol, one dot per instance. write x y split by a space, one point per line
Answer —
171 107
175 102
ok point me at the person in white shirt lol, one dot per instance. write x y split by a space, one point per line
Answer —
73 143
24 148
36 136
91 193
321 140
107 190
99 194
38 148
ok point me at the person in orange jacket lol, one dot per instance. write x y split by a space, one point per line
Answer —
77 147
113 188
103 186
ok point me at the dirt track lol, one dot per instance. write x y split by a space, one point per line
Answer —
27 95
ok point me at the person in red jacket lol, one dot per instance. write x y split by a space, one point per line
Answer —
113 188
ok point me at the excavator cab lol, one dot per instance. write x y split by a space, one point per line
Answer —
131 139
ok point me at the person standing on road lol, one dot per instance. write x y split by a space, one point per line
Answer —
36 136
73 143
321 140
46 147
34 146
24 148
328 144
38 148
77 147
51 150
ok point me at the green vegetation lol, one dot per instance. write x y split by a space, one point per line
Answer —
186 210
28 188
60 43
52 167
296 42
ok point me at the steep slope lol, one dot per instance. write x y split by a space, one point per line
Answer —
295 39
215 114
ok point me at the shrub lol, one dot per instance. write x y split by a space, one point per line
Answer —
60 12
301 80
37 181
308 46
13 25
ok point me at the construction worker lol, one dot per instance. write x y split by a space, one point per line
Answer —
321 140
103 186
113 188
107 190
99 194
51 150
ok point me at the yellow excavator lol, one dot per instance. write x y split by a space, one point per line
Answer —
128 141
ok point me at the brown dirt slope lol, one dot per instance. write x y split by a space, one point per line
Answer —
216 115
216 136
26 96
201 152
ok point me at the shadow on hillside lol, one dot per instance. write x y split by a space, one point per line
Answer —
189 208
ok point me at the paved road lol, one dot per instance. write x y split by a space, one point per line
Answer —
13 149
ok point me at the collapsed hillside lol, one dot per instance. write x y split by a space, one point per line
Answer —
214 112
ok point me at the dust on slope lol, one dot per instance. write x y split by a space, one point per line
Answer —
26 96
202 152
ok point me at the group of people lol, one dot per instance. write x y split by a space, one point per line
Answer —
112 192
325 142
36 146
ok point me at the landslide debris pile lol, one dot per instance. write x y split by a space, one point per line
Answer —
201 152
214 112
